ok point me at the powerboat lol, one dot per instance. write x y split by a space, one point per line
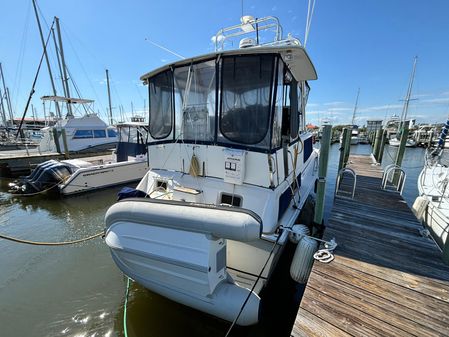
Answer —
74 176
231 168
410 142
88 133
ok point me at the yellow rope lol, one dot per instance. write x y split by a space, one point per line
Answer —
63 243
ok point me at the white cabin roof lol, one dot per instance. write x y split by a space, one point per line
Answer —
294 56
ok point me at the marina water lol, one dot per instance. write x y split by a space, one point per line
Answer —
78 291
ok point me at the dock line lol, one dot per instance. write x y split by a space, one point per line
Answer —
62 243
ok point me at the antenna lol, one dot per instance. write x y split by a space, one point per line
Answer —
163 48
310 9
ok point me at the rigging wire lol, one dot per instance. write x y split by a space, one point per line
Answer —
32 87
310 9
20 59
69 39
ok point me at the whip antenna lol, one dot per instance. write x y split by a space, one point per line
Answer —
163 48
310 9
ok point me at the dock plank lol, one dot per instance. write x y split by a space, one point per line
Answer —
386 279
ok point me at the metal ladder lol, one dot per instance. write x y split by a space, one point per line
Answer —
339 177
390 170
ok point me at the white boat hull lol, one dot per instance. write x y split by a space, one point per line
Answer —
182 254
397 142
436 215
102 176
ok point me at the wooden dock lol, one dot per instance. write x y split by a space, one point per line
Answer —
386 279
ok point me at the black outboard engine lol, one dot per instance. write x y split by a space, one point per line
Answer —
44 177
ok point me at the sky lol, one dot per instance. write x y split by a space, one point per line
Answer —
353 44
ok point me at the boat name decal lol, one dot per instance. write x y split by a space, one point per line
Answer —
98 172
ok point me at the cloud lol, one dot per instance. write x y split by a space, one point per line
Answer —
442 100
334 103
381 107
274 8
340 109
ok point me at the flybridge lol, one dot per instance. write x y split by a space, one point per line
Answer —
250 26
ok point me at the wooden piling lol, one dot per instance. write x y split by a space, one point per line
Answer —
56 140
64 142
382 146
377 141
322 173
400 154
342 149
347 147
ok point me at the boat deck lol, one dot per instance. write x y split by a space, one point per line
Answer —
18 162
386 279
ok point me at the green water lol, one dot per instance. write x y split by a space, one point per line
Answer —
78 291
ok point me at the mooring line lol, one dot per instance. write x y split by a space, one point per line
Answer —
62 243
125 330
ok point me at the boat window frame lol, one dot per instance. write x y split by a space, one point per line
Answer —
85 136
112 133
172 124
250 146
101 131
192 64
269 148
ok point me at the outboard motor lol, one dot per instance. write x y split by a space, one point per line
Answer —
45 176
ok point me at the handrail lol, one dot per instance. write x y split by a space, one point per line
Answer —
401 181
250 25
386 170
340 174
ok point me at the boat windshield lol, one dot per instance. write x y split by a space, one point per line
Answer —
245 99
227 101
132 134
195 91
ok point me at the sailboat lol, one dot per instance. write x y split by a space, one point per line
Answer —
70 134
231 168
396 140
354 128
432 204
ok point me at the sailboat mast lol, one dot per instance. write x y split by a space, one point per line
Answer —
355 107
3 113
409 93
7 98
65 79
58 112
59 59
109 97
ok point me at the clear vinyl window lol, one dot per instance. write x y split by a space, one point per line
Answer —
195 89
161 105
245 101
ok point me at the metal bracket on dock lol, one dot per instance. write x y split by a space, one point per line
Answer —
391 170
340 175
